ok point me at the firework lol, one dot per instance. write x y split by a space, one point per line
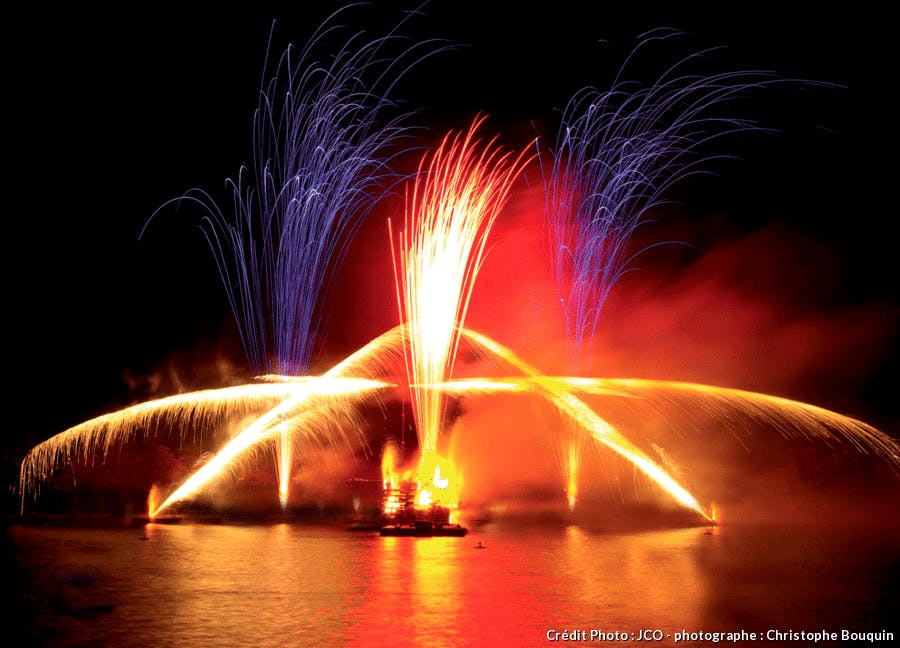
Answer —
92 441
597 428
617 154
324 135
727 406
451 206
319 413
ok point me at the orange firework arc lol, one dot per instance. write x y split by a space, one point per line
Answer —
787 416
307 416
790 417
298 413
307 407
451 206
558 393
285 403
93 439
784 414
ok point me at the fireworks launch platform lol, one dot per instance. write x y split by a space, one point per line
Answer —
424 529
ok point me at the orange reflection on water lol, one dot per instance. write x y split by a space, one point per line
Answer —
431 592
413 593
655 575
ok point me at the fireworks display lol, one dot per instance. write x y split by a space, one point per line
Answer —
329 144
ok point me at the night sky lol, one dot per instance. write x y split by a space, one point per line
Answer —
109 112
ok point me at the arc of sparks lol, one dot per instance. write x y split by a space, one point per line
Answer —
302 403
290 405
600 430
295 414
371 359
787 416
92 440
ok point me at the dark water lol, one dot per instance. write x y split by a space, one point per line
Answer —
295 585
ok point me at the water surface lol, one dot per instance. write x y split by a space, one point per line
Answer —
295 585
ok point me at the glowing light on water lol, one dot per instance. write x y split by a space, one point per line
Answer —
153 500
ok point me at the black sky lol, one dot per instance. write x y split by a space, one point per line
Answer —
112 111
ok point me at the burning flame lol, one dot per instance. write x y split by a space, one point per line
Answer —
439 481
389 466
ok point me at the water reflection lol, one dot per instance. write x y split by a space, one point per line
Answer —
413 593
290 585
445 591
619 579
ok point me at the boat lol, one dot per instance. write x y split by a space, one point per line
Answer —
404 517
424 529
144 518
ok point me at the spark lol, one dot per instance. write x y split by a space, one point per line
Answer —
308 408
789 417
92 440
303 415
585 418
451 206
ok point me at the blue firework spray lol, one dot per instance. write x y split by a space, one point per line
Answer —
618 152
325 134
